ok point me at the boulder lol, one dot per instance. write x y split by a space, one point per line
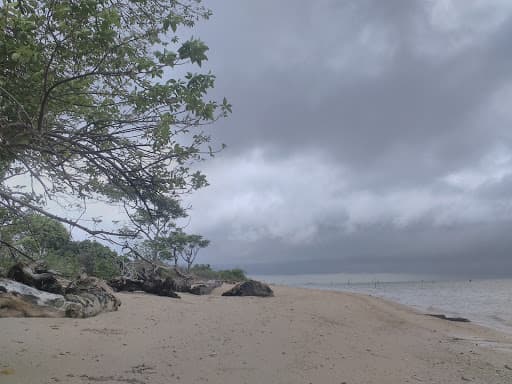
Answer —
250 288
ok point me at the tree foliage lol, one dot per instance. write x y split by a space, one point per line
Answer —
205 271
193 244
42 238
173 246
92 105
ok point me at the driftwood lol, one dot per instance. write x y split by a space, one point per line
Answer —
20 300
92 296
86 297
151 278
37 275
204 288
160 280
34 290
156 286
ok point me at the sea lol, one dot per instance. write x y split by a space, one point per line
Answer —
487 302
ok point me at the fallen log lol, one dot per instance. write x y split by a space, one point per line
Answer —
20 300
160 280
92 295
12 305
37 275
151 278
204 288
161 287
85 297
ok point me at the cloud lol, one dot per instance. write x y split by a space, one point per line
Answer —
292 200
367 135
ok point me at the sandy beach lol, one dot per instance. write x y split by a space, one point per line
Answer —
299 336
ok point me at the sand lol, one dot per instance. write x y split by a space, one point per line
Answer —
299 336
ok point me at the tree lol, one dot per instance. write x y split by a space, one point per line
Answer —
39 235
41 238
193 244
176 242
35 236
97 259
168 246
91 106
171 247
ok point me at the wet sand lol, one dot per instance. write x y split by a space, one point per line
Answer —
299 336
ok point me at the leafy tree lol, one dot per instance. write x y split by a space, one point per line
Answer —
35 236
38 235
168 246
193 244
97 259
41 238
176 242
163 240
173 246
92 106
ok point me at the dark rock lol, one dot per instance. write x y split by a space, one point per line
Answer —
250 288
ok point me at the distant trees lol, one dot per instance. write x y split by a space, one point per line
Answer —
172 247
205 271
92 107
41 238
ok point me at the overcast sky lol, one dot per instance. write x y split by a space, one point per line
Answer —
367 136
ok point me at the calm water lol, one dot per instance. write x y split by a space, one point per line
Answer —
485 302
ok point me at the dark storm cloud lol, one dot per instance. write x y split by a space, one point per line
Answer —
354 114
273 65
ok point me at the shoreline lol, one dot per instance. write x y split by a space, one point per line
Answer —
365 288
301 335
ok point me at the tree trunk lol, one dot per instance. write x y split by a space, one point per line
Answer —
38 276
85 297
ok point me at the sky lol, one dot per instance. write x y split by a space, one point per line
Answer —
366 136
